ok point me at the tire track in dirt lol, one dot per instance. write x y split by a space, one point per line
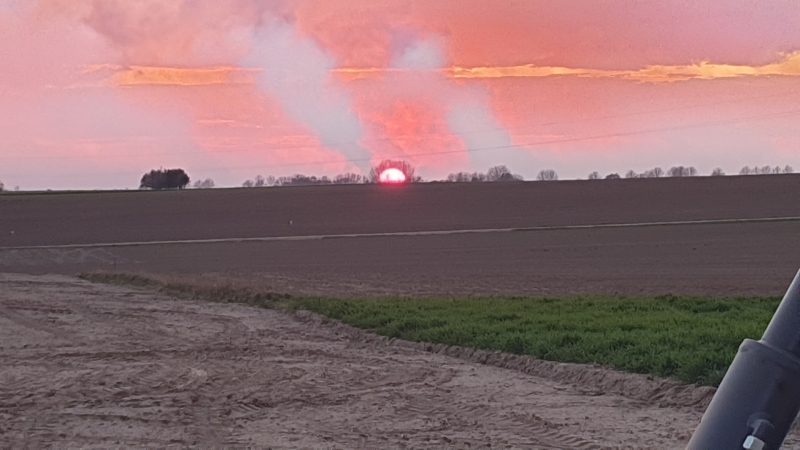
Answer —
137 368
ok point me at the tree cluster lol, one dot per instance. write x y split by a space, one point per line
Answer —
766 170
304 180
681 171
343 178
494 174
657 172
164 179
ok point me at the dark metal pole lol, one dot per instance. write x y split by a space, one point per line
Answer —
759 398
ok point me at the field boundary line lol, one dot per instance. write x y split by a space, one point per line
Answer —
408 233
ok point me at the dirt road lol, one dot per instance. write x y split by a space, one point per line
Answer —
95 366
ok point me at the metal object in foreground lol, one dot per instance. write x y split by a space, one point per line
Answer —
759 398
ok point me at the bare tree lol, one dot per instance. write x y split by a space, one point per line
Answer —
717 172
547 175
631 174
208 183
248 184
745 171
788 169
657 172
259 181
776 169
2 186
613 176
680 171
594 176
498 173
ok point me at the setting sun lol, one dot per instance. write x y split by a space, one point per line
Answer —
392 176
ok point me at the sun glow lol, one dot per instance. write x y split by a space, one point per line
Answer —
392 176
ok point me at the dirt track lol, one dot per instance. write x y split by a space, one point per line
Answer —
97 366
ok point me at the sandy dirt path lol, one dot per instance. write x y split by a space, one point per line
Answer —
94 366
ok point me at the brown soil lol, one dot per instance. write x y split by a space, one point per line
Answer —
96 366
730 259
84 218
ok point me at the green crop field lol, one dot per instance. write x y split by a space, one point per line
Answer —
692 339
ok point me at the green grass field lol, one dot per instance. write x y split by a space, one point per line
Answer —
692 339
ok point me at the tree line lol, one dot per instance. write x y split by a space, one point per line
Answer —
179 179
681 171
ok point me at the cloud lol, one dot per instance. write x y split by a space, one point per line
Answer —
169 32
788 65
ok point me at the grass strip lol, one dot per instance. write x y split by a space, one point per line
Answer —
689 338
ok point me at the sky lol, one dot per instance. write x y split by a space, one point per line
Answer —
94 93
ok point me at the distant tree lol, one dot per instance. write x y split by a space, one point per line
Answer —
631 174
594 176
466 177
165 179
348 178
403 166
208 183
248 183
656 172
613 176
456 177
681 171
717 172
302 180
745 171
547 175
776 169
788 169
2 186
259 181
498 173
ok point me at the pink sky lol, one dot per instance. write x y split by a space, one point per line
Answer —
95 93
